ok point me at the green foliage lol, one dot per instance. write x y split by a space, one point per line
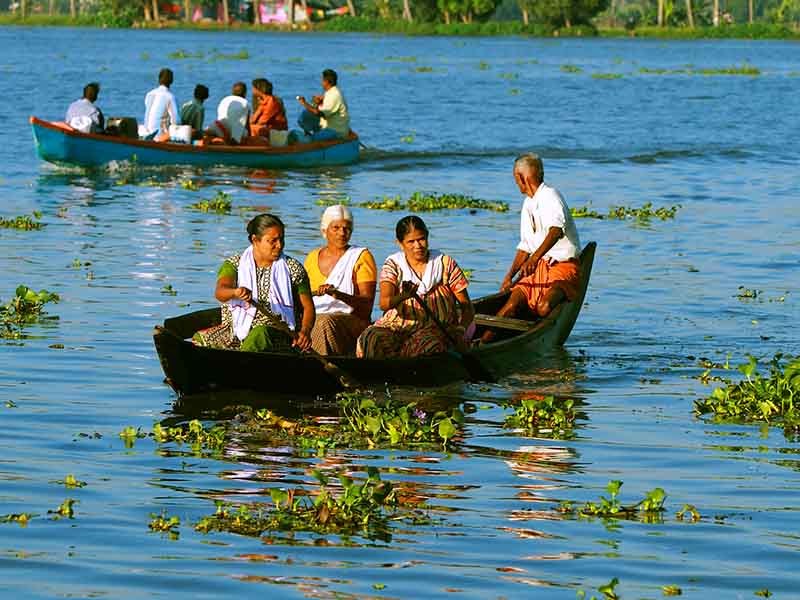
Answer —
747 294
726 31
70 482
422 202
608 591
648 509
194 433
690 512
607 75
241 55
183 54
164 524
23 222
671 590
622 213
774 398
220 204
547 417
20 518
130 434
25 308
65 510
169 290
571 69
357 508
394 422
558 13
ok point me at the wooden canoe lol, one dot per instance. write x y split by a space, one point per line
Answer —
59 143
191 369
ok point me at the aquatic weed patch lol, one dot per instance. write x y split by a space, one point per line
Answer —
164 524
220 204
773 398
25 308
608 590
648 509
184 54
745 69
396 422
545 417
641 214
425 202
23 222
363 508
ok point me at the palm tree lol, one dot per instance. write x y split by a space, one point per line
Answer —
715 14
155 11
689 14
256 12
407 11
661 13
187 11
72 9
351 8
225 14
750 11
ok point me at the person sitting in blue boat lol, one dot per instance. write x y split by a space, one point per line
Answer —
262 274
193 113
83 114
327 117
233 117
161 109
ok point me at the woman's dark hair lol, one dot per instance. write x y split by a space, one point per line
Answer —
259 224
407 224
263 85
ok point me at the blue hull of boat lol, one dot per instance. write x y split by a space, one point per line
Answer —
58 144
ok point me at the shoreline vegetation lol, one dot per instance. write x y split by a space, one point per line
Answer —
347 24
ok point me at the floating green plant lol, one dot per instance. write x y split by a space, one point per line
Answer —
514 91
688 512
571 69
23 222
548 417
422 70
164 524
181 54
671 590
71 482
509 76
396 422
745 69
607 75
621 213
405 59
241 55
360 508
355 68
484 66
194 433
608 591
169 290
763 593
220 204
26 307
409 139
65 510
130 434
648 71
423 202
774 398
189 184
747 294
648 509
21 518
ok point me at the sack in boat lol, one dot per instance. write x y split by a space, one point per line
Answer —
122 127
181 134
278 138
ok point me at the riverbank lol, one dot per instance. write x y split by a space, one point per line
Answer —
763 31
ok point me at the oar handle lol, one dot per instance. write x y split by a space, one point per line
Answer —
435 319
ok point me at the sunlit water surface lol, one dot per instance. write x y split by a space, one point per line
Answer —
438 115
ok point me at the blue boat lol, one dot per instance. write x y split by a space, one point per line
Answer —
59 143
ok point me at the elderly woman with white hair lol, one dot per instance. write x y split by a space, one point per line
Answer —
343 280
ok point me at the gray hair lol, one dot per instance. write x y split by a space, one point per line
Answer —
336 212
532 163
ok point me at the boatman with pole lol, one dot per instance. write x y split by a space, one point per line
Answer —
545 270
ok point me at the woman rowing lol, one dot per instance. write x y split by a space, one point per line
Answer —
416 272
343 279
266 298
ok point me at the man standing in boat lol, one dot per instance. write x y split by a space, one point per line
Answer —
546 263
327 118
161 109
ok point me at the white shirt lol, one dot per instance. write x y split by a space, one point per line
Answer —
233 112
158 103
334 112
84 108
544 210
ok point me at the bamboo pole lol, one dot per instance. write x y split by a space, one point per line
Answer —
187 11
689 13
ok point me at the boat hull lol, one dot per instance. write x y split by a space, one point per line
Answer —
191 369
57 143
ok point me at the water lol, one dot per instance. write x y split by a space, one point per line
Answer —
661 296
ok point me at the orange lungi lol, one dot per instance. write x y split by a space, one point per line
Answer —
550 274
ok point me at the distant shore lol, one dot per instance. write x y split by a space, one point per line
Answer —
762 31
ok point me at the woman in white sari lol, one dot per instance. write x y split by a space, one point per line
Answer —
262 273
343 280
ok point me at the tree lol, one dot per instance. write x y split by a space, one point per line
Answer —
407 11
351 8
690 14
225 14
187 11
565 13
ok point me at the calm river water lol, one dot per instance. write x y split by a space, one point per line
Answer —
439 115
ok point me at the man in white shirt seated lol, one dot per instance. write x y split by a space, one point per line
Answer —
233 116
547 254
161 110
327 118
83 115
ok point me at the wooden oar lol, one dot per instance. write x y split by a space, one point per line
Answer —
331 369
477 372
